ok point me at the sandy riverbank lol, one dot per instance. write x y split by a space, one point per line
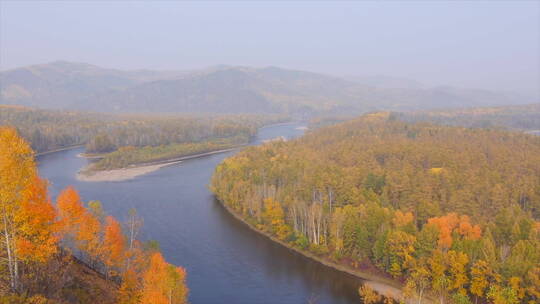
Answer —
117 175
86 174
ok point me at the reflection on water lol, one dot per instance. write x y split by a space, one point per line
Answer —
226 261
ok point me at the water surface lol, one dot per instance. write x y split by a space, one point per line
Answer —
226 262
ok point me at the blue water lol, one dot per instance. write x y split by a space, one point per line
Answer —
226 262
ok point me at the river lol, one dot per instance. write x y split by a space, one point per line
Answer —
226 262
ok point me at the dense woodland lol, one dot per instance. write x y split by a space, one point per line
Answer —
133 138
451 212
130 155
42 243
50 130
148 131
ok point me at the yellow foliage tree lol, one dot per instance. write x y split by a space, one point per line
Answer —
457 262
17 173
480 273
368 295
274 215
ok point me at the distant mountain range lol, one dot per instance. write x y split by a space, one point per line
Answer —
227 89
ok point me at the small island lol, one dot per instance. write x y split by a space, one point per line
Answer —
123 146
129 162
101 172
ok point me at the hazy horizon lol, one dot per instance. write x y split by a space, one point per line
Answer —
465 44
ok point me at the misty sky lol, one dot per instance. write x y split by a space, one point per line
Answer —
493 45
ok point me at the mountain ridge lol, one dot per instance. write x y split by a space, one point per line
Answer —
223 89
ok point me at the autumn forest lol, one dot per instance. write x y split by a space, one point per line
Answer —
450 213
71 250
446 214
269 152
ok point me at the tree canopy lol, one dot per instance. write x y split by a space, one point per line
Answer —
451 210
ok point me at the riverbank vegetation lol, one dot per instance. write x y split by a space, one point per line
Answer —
155 131
450 212
127 156
71 251
49 130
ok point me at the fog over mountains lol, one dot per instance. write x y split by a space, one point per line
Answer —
228 89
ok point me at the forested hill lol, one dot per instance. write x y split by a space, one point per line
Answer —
450 210
222 89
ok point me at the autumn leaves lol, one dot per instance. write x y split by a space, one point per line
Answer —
163 282
35 233
452 212
99 240
28 234
450 223
36 237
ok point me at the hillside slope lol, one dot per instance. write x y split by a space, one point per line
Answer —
222 89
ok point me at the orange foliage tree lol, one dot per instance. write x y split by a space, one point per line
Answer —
163 283
114 244
452 222
37 239
79 226
71 210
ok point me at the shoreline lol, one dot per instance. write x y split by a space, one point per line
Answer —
117 175
384 286
86 174
280 124
58 150
90 156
